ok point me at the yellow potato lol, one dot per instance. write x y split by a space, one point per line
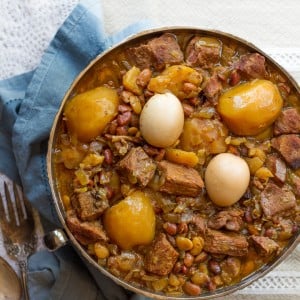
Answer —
88 113
131 222
182 81
249 108
178 156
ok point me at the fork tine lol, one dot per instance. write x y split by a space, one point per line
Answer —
18 202
10 208
2 210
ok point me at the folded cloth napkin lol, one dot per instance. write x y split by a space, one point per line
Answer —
28 104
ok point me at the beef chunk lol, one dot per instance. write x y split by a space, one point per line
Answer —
287 122
161 257
277 167
229 219
264 245
179 180
213 87
157 53
288 145
231 243
295 180
200 55
86 232
275 200
252 66
137 166
166 50
89 206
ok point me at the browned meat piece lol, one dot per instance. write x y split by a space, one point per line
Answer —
277 167
264 245
212 87
296 184
231 243
275 200
179 180
86 232
252 66
288 122
199 55
166 50
137 166
229 219
89 207
288 145
161 257
200 223
157 53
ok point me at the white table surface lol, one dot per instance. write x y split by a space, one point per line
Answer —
27 26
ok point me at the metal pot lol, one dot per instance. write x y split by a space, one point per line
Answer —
62 236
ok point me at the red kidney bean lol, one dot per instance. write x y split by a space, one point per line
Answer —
177 268
211 286
121 130
170 228
248 216
202 257
144 77
184 269
187 109
124 118
123 107
108 156
160 155
182 227
214 267
112 127
109 192
191 289
235 78
188 260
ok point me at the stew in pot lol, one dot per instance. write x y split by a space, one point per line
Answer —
178 163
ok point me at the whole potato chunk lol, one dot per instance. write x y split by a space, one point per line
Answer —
251 107
131 222
88 113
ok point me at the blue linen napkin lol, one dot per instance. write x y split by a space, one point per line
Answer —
28 104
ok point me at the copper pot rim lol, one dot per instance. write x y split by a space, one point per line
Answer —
146 34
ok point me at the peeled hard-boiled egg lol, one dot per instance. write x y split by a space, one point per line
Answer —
227 177
161 120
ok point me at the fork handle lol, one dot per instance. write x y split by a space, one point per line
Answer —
23 269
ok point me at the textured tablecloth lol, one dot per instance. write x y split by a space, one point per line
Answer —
27 26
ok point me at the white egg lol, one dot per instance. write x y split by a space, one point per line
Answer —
161 120
227 177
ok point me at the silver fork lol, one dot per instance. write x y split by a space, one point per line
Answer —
17 226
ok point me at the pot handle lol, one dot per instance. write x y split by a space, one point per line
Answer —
55 239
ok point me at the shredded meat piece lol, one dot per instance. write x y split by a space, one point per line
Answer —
225 243
229 219
86 232
137 166
275 200
288 145
88 207
287 122
179 180
157 53
277 167
264 245
198 55
252 66
200 223
212 88
161 257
